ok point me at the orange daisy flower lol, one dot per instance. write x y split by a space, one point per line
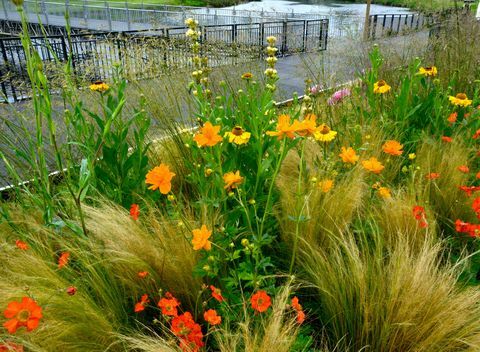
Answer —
217 293
348 155
160 177
373 165
212 317
232 180
168 305
307 127
200 238
392 147
134 211
284 128
140 306
260 301
25 313
63 259
208 136
21 245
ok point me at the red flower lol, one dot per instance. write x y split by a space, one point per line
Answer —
419 215
189 332
473 230
260 301
476 135
25 313
169 305
71 290
11 347
464 169
134 211
452 118
300 316
477 176
21 245
469 189
142 274
447 139
140 306
295 304
217 293
211 317
432 176
63 259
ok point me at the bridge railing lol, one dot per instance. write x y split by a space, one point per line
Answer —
150 53
384 25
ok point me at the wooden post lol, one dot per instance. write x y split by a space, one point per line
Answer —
366 28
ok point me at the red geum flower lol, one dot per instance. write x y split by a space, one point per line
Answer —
432 176
452 118
260 301
11 347
217 293
63 259
476 134
169 305
25 313
295 305
420 216
21 245
300 316
469 189
464 168
447 139
140 305
71 290
134 211
212 317
473 230
142 274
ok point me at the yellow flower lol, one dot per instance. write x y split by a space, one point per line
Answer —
99 86
460 99
373 165
238 136
307 127
160 177
284 128
428 71
232 180
208 135
349 155
384 192
412 156
381 87
247 76
326 185
324 134
200 238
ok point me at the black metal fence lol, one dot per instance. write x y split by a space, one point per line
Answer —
147 54
389 25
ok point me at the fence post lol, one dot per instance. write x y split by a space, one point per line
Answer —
374 27
109 15
284 37
305 32
261 34
129 23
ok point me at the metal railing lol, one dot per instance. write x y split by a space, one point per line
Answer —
102 16
150 53
388 25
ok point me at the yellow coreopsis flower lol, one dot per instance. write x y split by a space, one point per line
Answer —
429 71
326 185
381 87
325 134
200 238
460 99
99 86
384 192
238 136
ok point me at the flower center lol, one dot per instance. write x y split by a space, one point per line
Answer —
461 96
237 131
381 83
429 68
23 315
325 129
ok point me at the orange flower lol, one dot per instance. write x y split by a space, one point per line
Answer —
300 316
464 168
232 180
392 147
349 155
432 176
168 305
295 304
208 136
260 301
200 238
217 293
25 313
477 176
160 177
11 347
142 274
384 192
284 128
140 306
447 139
452 118
476 135
373 165
21 245
211 317
63 259
134 211
307 127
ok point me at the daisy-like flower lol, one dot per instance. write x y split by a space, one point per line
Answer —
25 313
260 301
429 71
384 192
217 293
306 127
326 185
168 304
99 86
208 136
464 168
348 155
381 87
373 165
212 317
452 118
238 136
232 180
160 178
284 128
247 76
140 305
325 134
460 99
200 238
392 147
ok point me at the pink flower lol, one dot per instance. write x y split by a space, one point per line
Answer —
338 96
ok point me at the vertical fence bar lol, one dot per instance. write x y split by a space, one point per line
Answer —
374 27
284 37
6 62
305 32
